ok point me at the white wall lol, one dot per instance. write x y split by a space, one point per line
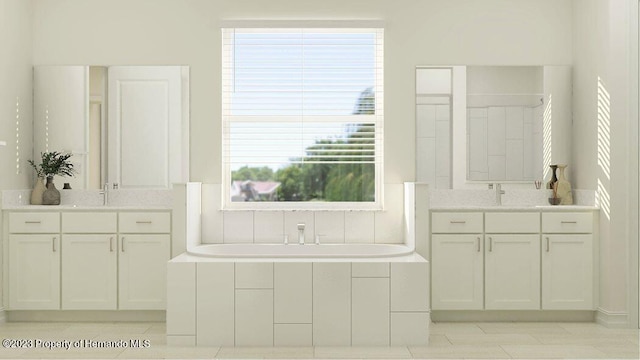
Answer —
602 51
15 87
417 32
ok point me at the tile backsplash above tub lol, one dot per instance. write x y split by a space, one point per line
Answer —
271 226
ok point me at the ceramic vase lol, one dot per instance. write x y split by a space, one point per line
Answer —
36 193
554 179
564 187
51 196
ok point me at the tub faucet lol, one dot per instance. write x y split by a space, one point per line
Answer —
499 193
301 233
105 194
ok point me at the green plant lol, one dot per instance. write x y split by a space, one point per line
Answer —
54 163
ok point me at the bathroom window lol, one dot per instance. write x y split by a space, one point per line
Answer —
302 117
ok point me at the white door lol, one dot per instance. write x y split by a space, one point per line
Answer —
34 272
457 272
61 116
143 272
145 126
512 272
89 272
567 272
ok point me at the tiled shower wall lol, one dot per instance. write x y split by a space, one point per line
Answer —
504 143
433 145
270 226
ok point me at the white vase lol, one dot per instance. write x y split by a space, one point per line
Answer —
36 193
564 187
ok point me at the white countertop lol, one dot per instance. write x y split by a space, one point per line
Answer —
84 208
499 208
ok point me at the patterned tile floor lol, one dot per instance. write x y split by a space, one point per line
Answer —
447 341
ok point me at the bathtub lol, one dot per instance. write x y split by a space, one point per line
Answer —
300 251
298 295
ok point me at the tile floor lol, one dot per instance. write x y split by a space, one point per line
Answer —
447 341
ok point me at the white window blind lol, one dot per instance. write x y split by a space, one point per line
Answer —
292 98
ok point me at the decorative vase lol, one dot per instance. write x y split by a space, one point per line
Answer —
36 193
564 188
554 179
51 196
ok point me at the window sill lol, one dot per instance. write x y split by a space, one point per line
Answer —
292 207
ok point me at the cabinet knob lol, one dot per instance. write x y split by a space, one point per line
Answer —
122 244
478 240
490 244
111 244
53 244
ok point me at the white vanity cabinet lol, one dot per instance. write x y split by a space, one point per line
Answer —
89 261
518 260
512 261
457 261
34 266
144 252
567 261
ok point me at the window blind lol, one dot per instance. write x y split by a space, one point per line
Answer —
302 96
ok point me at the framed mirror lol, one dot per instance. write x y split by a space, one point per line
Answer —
125 125
491 124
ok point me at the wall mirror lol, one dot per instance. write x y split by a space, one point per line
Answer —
485 124
125 125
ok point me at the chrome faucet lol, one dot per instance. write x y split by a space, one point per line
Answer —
105 194
301 233
499 193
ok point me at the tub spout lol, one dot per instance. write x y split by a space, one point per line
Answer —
301 234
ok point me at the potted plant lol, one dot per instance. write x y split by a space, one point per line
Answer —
53 163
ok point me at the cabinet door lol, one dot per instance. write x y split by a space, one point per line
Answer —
512 272
457 272
143 272
34 272
567 272
89 264
145 126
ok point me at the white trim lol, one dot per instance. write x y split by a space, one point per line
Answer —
3 143
301 23
612 319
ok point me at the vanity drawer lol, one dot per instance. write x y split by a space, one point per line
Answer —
512 223
456 223
145 222
567 222
92 223
40 222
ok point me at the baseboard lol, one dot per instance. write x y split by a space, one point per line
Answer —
3 316
512 315
612 319
86 315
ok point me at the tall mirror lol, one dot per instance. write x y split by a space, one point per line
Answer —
125 125
486 124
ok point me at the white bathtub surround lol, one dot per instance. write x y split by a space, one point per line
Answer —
512 197
298 302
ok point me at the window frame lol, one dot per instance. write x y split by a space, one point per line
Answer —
377 119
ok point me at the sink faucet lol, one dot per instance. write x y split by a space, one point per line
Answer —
301 233
105 194
499 193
